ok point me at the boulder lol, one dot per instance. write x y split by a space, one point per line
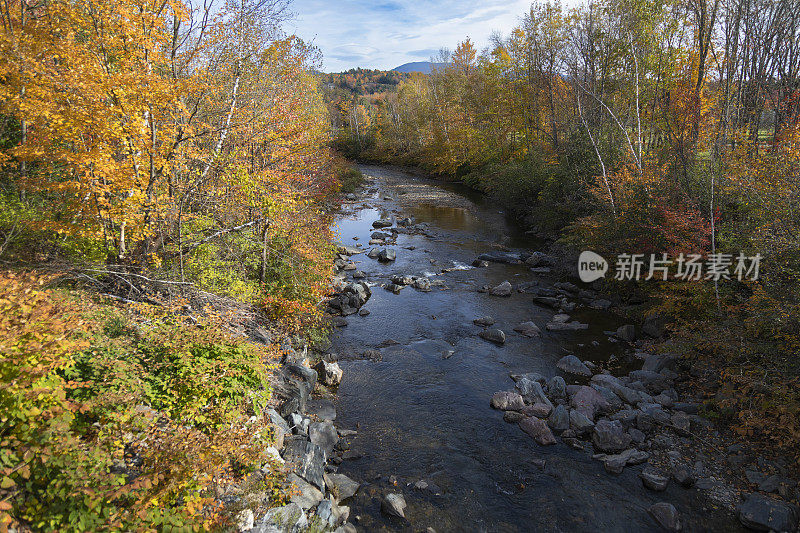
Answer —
289 518
609 436
666 515
386 255
332 514
324 435
557 387
761 513
484 321
532 391
341 486
306 459
507 401
528 329
504 289
501 257
657 362
589 402
570 364
493 335
580 423
559 419
539 410
329 373
307 495
653 479
538 429
382 223
394 505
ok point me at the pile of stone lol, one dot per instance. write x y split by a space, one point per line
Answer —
309 447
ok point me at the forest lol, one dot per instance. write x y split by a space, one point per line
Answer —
637 126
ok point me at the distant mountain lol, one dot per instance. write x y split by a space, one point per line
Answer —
424 67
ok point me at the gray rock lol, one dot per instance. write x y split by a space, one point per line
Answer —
381 235
683 476
638 436
557 387
666 515
373 253
484 321
609 436
289 518
653 479
306 459
528 329
422 284
653 381
324 435
589 402
507 401
480 263
559 419
386 255
382 223
329 373
394 505
493 335
539 410
626 333
532 391
614 464
538 429
281 427
614 401
566 326
761 513
513 417
572 365
658 362
579 422
504 289
308 496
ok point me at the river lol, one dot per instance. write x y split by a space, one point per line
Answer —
421 415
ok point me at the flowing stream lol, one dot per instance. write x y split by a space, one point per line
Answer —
424 416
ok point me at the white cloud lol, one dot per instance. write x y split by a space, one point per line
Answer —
387 33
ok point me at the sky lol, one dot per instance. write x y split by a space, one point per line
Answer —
385 34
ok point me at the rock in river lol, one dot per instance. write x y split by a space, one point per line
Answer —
484 321
507 401
666 515
341 486
493 335
504 289
386 255
394 505
329 373
528 329
572 365
538 429
382 223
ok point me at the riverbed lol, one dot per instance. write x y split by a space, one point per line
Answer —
418 382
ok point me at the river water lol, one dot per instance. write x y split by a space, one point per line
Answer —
422 416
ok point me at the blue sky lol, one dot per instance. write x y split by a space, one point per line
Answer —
384 34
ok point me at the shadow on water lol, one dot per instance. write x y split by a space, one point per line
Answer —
422 416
